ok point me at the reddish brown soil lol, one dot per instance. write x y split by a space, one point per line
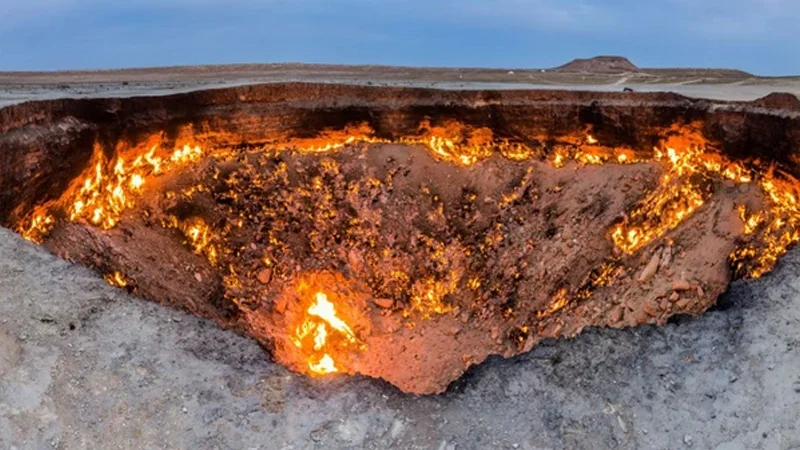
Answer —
386 209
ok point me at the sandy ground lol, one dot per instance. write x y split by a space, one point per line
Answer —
84 365
11 94
21 86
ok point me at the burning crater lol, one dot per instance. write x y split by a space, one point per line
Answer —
408 234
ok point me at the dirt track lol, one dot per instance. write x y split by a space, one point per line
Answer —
85 366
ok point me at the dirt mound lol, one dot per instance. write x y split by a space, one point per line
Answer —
598 64
779 100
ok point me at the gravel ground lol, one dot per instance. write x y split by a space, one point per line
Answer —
84 365
17 93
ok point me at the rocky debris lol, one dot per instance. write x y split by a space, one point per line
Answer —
666 258
398 426
681 285
616 314
447 445
264 276
650 269
280 304
385 303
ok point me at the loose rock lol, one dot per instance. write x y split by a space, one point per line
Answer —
616 314
384 303
666 257
280 304
681 285
650 269
265 276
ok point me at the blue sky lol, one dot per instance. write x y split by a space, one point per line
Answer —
761 36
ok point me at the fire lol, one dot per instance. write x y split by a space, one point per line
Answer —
116 278
324 366
325 310
751 222
200 238
313 337
773 229
104 195
591 153
113 185
680 193
332 140
557 303
108 189
40 224
451 142
427 296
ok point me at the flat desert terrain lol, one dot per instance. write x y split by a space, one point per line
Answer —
702 83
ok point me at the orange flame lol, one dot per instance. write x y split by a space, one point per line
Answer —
108 190
111 186
324 366
116 278
677 196
313 336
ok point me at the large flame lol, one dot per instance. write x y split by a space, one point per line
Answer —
774 229
313 338
678 195
103 196
108 190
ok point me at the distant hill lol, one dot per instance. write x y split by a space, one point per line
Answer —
598 64
611 65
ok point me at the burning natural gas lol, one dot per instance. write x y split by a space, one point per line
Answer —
411 256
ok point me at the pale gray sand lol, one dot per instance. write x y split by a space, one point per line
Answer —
16 93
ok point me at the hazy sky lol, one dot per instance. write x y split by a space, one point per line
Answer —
761 36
